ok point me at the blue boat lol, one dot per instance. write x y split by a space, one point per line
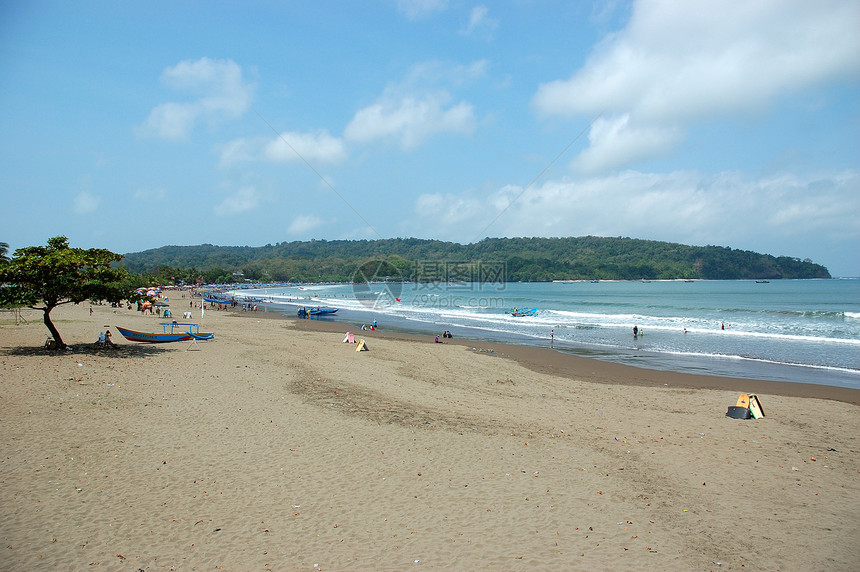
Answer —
203 336
170 332
307 312
521 313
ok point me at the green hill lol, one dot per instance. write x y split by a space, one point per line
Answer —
520 259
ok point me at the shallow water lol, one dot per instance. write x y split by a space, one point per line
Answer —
791 330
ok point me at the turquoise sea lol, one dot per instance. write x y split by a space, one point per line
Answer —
783 330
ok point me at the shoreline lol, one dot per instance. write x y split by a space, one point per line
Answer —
560 363
775 333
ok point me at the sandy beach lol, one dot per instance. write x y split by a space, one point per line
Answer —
276 446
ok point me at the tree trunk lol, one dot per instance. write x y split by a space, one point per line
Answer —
55 333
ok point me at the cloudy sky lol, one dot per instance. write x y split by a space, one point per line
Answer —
131 126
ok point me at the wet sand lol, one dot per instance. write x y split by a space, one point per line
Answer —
546 360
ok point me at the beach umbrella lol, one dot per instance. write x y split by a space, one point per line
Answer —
161 304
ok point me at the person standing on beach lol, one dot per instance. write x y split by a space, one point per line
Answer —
551 337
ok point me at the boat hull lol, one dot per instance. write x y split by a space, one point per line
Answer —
208 336
306 312
152 337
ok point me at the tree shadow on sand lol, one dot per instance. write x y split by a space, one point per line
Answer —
122 351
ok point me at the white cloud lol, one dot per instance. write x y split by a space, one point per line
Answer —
419 107
85 202
318 146
615 141
240 151
303 224
435 75
603 12
789 211
244 200
683 62
480 23
170 121
411 120
219 91
417 9
449 211
315 147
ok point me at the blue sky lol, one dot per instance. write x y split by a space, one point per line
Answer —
131 126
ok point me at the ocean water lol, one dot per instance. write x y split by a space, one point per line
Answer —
784 330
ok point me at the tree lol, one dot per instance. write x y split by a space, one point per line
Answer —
4 251
57 274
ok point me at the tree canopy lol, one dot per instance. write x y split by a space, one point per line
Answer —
524 259
44 277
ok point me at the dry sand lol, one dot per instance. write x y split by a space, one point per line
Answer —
277 447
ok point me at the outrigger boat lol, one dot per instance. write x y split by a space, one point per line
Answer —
521 313
203 336
210 300
171 332
304 312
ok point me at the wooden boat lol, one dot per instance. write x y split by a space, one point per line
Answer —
203 336
170 332
152 337
304 312
251 299
521 313
323 311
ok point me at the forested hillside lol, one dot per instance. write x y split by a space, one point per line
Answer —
520 259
